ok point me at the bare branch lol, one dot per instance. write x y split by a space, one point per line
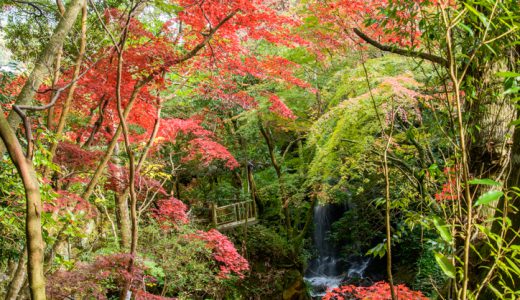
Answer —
410 53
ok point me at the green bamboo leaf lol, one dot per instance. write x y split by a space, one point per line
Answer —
443 229
507 74
512 90
467 28
445 264
484 181
489 197
480 15
513 265
495 291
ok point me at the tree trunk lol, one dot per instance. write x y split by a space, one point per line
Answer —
19 277
123 214
111 146
72 88
44 62
492 116
33 227
285 202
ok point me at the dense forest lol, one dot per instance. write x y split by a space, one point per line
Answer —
260 149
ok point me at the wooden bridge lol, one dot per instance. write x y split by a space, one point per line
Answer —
233 215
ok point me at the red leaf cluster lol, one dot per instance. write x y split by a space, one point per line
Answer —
378 291
170 213
207 151
200 146
75 157
278 107
171 127
338 19
225 253
449 188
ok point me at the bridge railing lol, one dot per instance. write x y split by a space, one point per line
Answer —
233 213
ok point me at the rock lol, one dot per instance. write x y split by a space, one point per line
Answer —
296 291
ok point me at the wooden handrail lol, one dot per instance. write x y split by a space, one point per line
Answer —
233 204
233 213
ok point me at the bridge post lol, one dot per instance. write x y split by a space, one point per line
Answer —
213 213
253 206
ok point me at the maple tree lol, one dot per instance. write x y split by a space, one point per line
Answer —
143 126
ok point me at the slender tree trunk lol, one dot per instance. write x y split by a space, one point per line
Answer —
103 102
285 205
11 267
388 226
19 277
33 227
110 149
44 62
124 222
123 214
252 188
72 88
57 66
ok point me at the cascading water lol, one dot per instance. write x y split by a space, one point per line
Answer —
357 269
327 270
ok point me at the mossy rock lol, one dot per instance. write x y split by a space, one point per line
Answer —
297 289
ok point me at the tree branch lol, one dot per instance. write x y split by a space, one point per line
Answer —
410 53
36 7
27 124
207 38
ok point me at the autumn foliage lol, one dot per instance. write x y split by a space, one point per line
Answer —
450 190
88 279
170 213
231 262
378 291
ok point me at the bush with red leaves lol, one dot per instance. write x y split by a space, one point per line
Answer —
225 253
378 291
90 279
118 182
449 188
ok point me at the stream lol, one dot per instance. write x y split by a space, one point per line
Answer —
327 270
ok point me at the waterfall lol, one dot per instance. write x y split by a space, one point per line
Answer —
357 269
326 270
